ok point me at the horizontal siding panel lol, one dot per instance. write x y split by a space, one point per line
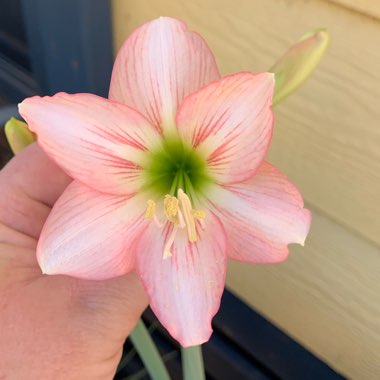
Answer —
327 296
368 7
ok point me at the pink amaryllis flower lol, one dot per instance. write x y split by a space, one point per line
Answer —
169 177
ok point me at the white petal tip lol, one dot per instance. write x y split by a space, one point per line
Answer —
306 225
302 238
46 271
21 107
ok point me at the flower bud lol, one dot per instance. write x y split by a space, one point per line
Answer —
297 64
18 135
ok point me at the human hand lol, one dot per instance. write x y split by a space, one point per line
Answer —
53 327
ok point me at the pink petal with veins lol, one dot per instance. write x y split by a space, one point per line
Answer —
230 123
161 63
96 141
90 235
184 289
262 216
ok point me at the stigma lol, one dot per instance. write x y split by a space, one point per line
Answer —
178 211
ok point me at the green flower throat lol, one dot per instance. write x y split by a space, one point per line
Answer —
176 166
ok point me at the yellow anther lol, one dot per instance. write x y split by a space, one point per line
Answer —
198 214
170 207
180 214
150 210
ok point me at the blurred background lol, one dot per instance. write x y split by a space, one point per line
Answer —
327 140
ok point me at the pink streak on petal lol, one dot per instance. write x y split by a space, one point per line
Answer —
89 234
262 216
230 123
158 65
184 289
99 142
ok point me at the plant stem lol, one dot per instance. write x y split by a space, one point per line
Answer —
192 363
148 352
143 372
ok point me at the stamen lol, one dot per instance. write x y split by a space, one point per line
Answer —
186 209
181 221
170 206
179 211
169 243
198 214
150 210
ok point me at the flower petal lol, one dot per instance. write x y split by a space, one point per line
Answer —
184 289
262 216
158 65
230 123
99 142
89 234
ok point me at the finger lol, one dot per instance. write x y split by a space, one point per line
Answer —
30 184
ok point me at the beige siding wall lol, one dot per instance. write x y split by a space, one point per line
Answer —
327 140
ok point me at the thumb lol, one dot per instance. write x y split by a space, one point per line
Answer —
30 184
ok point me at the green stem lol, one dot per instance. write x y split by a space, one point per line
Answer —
143 372
192 363
148 352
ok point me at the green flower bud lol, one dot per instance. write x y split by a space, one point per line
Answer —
297 64
18 135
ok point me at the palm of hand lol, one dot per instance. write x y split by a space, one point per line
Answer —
53 327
